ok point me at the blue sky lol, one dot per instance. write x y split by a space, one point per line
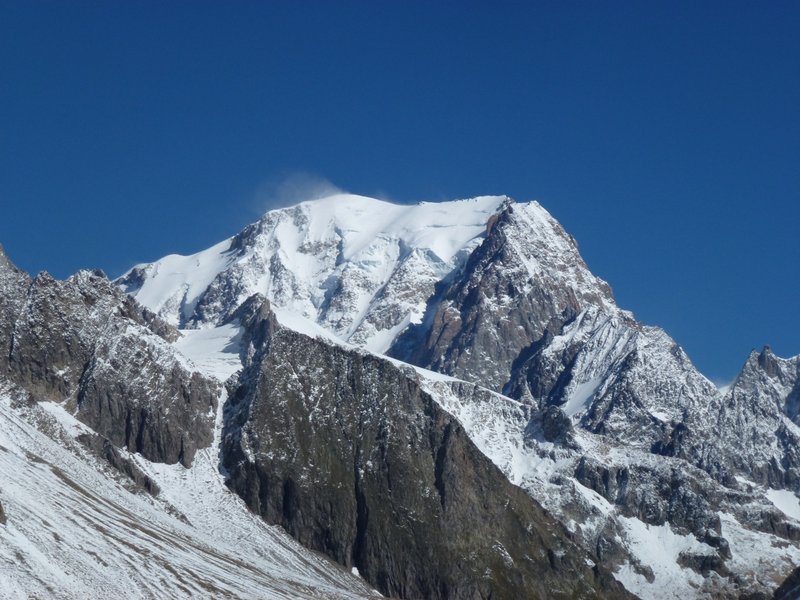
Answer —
664 136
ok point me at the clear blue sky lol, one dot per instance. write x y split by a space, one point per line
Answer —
665 136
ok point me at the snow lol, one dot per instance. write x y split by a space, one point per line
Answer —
581 396
71 425
214 351
659 547
306 326
426 375
725 387
382 340
660 415
594 499
181 280
754 553
74 531
443 227
361 268
785 501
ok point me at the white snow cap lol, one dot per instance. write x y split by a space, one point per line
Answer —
361 268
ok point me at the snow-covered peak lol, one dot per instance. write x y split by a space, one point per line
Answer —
441 227
360 267
767 379
525 280
548 252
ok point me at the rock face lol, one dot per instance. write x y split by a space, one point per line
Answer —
353 459
622 502
526 279
789 589
615 377
105 450
756 424
138 395
83 341
13 287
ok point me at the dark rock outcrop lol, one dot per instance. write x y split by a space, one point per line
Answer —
13 288
353 459
790 588
525 279
104 449
84 341
135 393
657 496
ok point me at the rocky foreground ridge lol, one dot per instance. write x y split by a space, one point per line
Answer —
441 398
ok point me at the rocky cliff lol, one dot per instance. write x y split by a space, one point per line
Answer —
83 341
352 458
524 280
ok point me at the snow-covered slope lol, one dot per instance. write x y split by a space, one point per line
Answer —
615 376
90 385
657 521
360 267
76 528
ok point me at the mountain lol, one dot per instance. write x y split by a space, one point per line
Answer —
100 416
440 398
353 458
361 268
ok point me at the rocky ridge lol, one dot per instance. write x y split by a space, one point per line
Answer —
110 481
350 437
525 279
354 459
83 341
